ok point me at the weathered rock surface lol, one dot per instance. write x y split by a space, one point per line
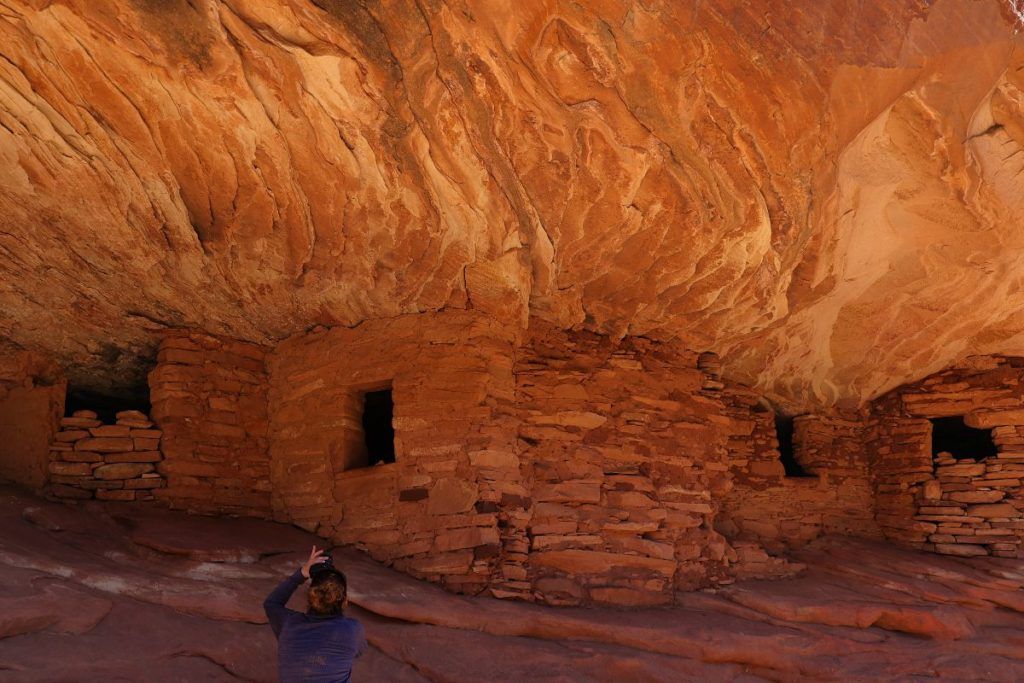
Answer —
824 193
83 600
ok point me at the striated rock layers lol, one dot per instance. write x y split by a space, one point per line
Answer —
825 194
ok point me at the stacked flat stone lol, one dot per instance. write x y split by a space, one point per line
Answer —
781 512
452 508
969 502
967 506
108 462
903 465
621 514
210 397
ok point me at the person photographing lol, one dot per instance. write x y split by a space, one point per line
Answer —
321 645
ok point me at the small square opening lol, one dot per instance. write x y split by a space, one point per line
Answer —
787 451
951 435
378 427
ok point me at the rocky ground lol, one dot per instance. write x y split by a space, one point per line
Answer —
115 592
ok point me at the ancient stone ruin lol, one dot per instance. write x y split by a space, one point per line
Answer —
546 465
89 459
579 304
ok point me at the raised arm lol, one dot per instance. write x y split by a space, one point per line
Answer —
275 603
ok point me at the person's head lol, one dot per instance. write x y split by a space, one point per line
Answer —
328 593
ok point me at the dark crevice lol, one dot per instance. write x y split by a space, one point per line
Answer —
145 316
787 451
994 128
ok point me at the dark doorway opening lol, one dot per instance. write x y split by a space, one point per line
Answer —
787 453
378 429
951 435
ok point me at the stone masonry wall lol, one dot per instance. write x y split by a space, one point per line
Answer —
32 394
440 510
903 462
561 467
565 467
623 453
969 506
833 450
106 462
209 397
779 512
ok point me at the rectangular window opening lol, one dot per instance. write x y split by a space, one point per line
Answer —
787 452
951 435
378 427
107 405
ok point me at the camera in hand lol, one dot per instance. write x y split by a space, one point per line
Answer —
323 568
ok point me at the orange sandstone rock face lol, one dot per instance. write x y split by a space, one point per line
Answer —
823 194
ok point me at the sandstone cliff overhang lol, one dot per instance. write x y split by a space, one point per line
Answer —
825 195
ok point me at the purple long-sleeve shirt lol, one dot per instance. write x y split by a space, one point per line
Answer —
310 648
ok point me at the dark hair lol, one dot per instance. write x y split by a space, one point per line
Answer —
327 594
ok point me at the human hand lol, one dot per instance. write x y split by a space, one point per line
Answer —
316 556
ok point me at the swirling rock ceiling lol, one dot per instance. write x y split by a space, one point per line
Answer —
828 194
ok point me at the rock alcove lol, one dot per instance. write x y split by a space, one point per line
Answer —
576 304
